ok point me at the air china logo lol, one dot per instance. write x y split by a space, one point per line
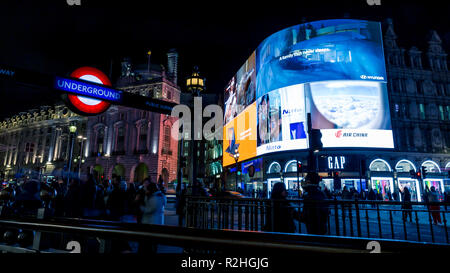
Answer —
339 134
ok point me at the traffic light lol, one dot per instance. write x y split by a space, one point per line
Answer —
336 181
316 140
330 174
299 167
424 172
418 175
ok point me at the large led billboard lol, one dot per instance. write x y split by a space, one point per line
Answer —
333 69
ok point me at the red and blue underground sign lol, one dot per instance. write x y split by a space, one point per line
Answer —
91 95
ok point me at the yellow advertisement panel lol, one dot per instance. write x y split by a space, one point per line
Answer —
239 136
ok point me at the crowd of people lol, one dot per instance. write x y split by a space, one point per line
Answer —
114 200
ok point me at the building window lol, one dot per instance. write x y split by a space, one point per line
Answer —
120 139
166 139
448 112
441 111
100 140
422 111
143 137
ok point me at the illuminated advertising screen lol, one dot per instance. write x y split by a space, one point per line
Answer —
333 69
240 136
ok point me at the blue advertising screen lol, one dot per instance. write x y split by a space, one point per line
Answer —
333 69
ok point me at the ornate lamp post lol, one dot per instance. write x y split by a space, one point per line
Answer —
82 139
195 84
72 130
236 159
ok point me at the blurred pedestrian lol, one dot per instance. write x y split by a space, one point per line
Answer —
180 202
72 199
88 197
406 204
346 194
372 196
315 210
152 213
433 197
28 199
116 200
283 213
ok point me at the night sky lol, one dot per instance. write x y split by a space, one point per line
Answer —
218 36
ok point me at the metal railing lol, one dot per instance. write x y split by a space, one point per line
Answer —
197 241
352 218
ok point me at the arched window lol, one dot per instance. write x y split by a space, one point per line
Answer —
274 167
432 167
291 166
379 165
404 166
447 166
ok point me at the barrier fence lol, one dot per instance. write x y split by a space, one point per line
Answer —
352 218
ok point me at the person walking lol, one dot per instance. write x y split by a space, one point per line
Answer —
180 202
433 198
72 199
283 214
315 210
152 213
88 196
372 196
116 200
406 204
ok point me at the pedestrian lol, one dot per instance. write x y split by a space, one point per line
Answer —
116 200
58 201
433 198
406 204
161 185
88 196
153 207
283 214
327 193
72 199
28 199
140 199
180 202
372 196
346 194
315 209
152 213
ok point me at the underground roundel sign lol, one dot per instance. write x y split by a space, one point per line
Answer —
86 105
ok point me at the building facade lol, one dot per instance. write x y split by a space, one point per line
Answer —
38 142
132 143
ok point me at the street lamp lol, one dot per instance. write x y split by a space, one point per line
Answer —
81 139
194 84
72 130
236 158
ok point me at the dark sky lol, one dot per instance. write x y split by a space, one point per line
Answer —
218 36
